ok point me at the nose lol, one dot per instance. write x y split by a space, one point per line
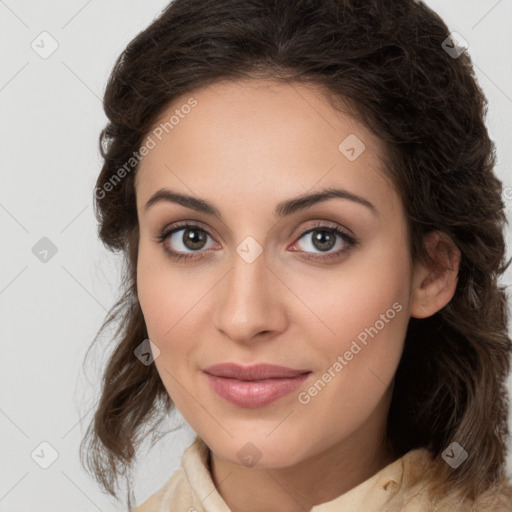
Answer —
248 302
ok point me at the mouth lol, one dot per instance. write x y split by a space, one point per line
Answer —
253 386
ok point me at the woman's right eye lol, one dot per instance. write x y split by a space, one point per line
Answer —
187 238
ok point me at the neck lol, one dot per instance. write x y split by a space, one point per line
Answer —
320 478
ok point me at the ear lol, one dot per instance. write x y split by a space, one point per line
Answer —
433 288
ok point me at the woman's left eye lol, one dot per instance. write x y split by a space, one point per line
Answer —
324 239
194 238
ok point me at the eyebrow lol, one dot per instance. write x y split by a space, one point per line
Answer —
282 209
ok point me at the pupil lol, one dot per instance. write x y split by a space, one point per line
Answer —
193 238
323 240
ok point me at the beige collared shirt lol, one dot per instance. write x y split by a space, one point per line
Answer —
397 487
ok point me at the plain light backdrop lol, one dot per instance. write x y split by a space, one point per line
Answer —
50 119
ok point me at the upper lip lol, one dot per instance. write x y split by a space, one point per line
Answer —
253 372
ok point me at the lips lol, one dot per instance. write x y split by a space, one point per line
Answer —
254 372
253 386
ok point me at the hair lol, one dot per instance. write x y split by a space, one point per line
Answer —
385 59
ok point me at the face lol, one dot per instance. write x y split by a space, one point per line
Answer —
319 286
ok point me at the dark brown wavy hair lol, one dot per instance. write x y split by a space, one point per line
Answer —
385 58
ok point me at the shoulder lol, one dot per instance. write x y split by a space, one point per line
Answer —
496 499
415 496
176 487
180 488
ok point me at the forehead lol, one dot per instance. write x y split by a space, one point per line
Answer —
260 136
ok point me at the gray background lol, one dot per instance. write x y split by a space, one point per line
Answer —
51 116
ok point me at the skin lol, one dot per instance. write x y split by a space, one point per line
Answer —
245 147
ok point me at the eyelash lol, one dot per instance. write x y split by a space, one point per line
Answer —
349 240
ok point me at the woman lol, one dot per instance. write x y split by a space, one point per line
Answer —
313 232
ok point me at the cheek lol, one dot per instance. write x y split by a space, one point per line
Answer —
359 361
157 306
174 312
353 297
164 293
165 301
364 317
167 312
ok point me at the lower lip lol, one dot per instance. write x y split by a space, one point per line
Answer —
254 393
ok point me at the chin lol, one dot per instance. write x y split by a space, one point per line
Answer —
259 450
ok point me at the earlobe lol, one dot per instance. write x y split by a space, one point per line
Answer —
433 288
